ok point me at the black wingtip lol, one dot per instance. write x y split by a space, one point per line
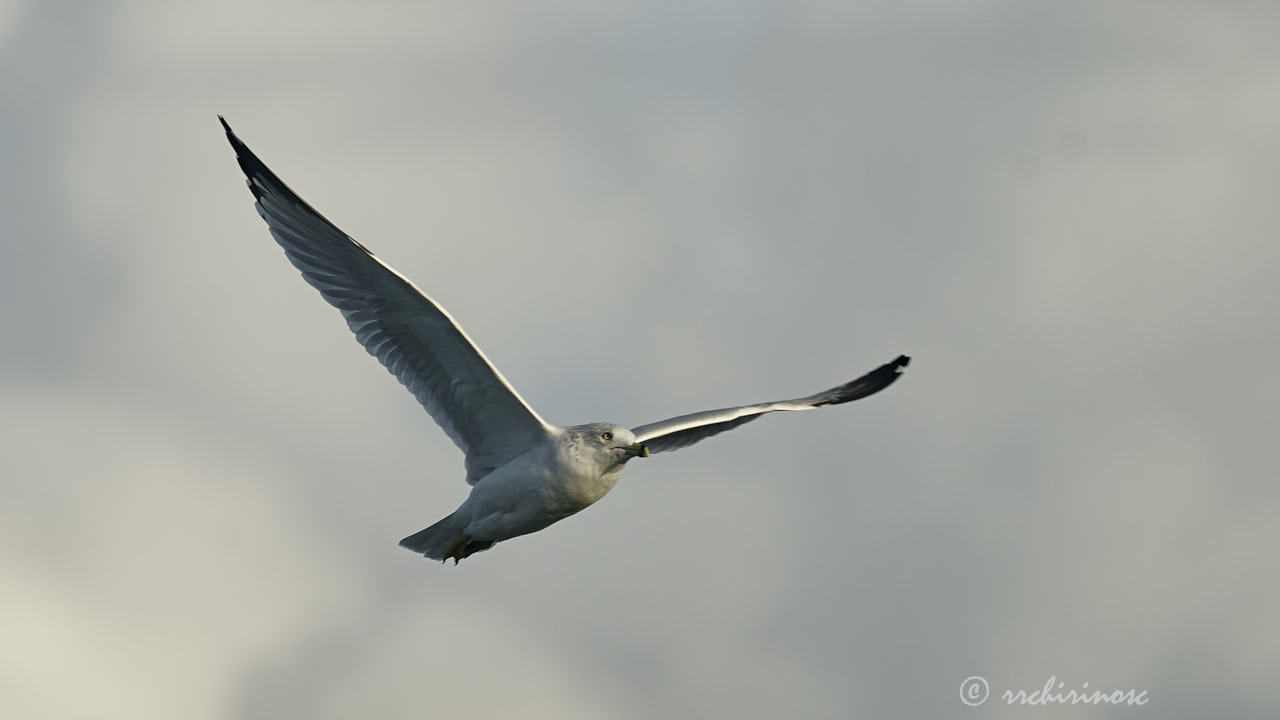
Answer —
237 144
869 384
263 181
259 176
883 376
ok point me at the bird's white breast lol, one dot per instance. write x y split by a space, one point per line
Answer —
546 484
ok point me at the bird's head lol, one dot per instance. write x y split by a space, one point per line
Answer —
610 444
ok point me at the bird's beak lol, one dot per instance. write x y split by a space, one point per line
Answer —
637 450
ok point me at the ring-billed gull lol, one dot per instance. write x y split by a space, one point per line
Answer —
525 473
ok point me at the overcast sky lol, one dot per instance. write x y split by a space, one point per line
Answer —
1065 212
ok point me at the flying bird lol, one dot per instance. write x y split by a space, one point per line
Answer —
524 472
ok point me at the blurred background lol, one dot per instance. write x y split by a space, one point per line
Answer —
1064 212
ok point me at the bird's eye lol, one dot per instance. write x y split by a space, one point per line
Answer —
606 436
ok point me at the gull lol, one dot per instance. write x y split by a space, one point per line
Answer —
524 472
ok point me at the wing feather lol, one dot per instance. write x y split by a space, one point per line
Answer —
683 431
413 337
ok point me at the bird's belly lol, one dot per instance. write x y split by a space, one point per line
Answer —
508 504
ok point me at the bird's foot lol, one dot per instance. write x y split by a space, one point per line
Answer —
457 550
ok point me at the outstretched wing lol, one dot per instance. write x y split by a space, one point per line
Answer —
686 430
407 331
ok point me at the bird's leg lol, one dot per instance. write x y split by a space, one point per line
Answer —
455 550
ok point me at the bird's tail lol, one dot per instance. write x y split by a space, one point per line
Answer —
445 540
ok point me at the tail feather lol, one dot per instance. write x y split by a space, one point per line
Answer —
434 541
445 539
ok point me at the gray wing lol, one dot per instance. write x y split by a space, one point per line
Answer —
410 334
686 430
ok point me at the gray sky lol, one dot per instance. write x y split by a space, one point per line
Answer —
1064 212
